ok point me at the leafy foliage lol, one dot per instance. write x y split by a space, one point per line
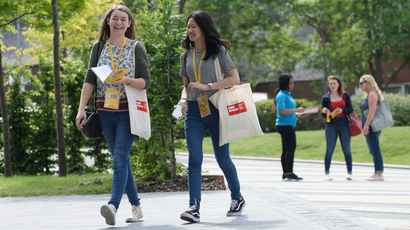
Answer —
359 35
162 33
261 44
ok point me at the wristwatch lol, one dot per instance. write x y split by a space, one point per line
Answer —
210 86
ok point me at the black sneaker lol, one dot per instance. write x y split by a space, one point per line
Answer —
237 207
191 215
293 177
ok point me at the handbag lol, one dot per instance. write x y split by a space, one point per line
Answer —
237 111
382 118
355 124
140 121
92 125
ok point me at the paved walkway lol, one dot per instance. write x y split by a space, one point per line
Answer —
271 203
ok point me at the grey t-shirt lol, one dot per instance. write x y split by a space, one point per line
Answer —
208 74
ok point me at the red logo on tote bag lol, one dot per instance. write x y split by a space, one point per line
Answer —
236 108
142 106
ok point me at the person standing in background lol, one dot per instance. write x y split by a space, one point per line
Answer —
373 98
337 103
285 124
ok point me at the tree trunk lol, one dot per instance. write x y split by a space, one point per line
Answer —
6 130
378 76
173 159
171 131
181 6
57 85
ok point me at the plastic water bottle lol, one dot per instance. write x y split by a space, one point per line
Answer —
177 113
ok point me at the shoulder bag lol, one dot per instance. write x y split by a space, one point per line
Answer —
92 126
237 111
355 124
138 109
382 118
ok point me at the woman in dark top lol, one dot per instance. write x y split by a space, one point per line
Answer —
336 104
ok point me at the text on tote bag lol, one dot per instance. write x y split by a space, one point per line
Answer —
236 108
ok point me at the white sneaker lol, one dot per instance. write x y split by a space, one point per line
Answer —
136 214
375 178
349 177
327 178
108 211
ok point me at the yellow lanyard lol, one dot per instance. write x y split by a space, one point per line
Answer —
119 56
198 76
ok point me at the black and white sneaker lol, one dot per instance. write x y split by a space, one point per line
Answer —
293 177
237 207
191 215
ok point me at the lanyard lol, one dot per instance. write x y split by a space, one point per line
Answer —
198 76
119 56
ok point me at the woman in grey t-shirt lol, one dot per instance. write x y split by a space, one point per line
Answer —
203 44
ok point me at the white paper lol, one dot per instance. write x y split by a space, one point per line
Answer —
310 111
102 72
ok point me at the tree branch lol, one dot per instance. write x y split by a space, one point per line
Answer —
16 18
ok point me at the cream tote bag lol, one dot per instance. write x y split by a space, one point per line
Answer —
140 121
139 112
237 111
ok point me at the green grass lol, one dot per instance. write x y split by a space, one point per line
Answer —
48 185
394 144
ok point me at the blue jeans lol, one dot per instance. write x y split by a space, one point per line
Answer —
338 127
117 132
372 140
195 128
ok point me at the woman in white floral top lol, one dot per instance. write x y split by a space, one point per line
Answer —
117 48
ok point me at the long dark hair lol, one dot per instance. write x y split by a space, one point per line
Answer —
212 36
283 83
105 32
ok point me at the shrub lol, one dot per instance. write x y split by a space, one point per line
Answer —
266 115
400 107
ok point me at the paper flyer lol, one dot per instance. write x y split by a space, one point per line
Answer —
106 74
311 110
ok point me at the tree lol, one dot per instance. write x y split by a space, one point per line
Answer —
57 87
10 11
261 38
162 31
5 122
360 35
78 33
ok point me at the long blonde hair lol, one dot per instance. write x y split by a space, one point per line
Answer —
104 32
372 85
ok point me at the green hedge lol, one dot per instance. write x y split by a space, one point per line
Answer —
400 107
